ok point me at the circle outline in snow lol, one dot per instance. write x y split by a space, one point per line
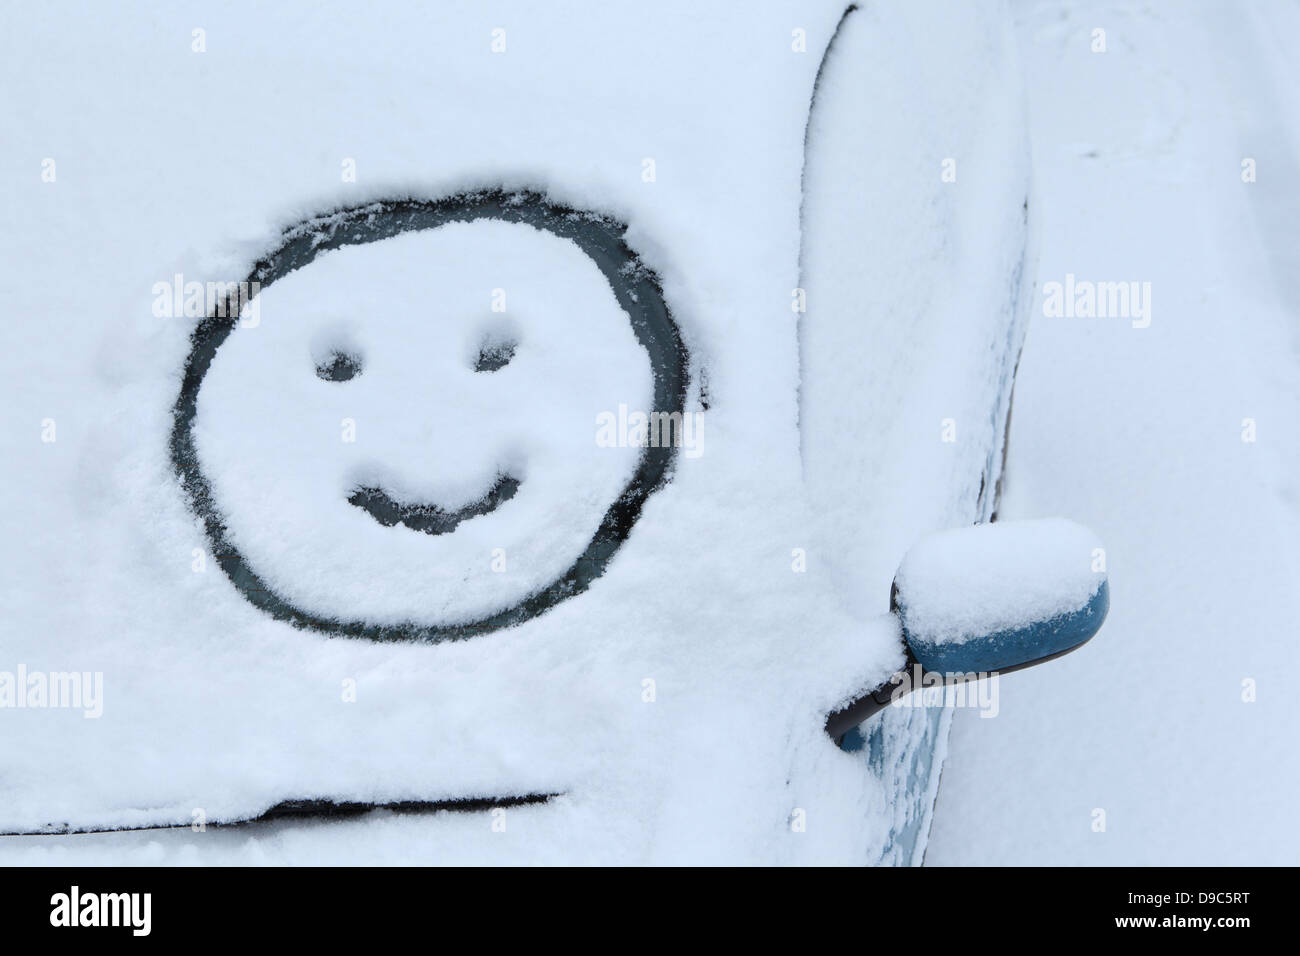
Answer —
637 291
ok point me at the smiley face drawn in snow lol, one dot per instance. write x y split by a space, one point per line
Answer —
384 456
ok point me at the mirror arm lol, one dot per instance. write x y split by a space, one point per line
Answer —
873 702
840 722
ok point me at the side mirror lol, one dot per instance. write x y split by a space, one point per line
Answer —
991 599
995 598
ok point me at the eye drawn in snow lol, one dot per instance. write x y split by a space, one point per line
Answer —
341 367
449 505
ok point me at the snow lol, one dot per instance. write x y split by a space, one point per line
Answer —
969 582
677 706
1139 434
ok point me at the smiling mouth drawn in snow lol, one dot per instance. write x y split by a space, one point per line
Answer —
428 518
639 300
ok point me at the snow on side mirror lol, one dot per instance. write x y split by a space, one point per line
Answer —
999 597
990 599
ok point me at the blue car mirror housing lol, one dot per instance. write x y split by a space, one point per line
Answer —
1012 648
990 599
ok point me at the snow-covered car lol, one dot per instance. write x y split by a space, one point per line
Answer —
340 439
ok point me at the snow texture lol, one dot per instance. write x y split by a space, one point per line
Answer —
1170 738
